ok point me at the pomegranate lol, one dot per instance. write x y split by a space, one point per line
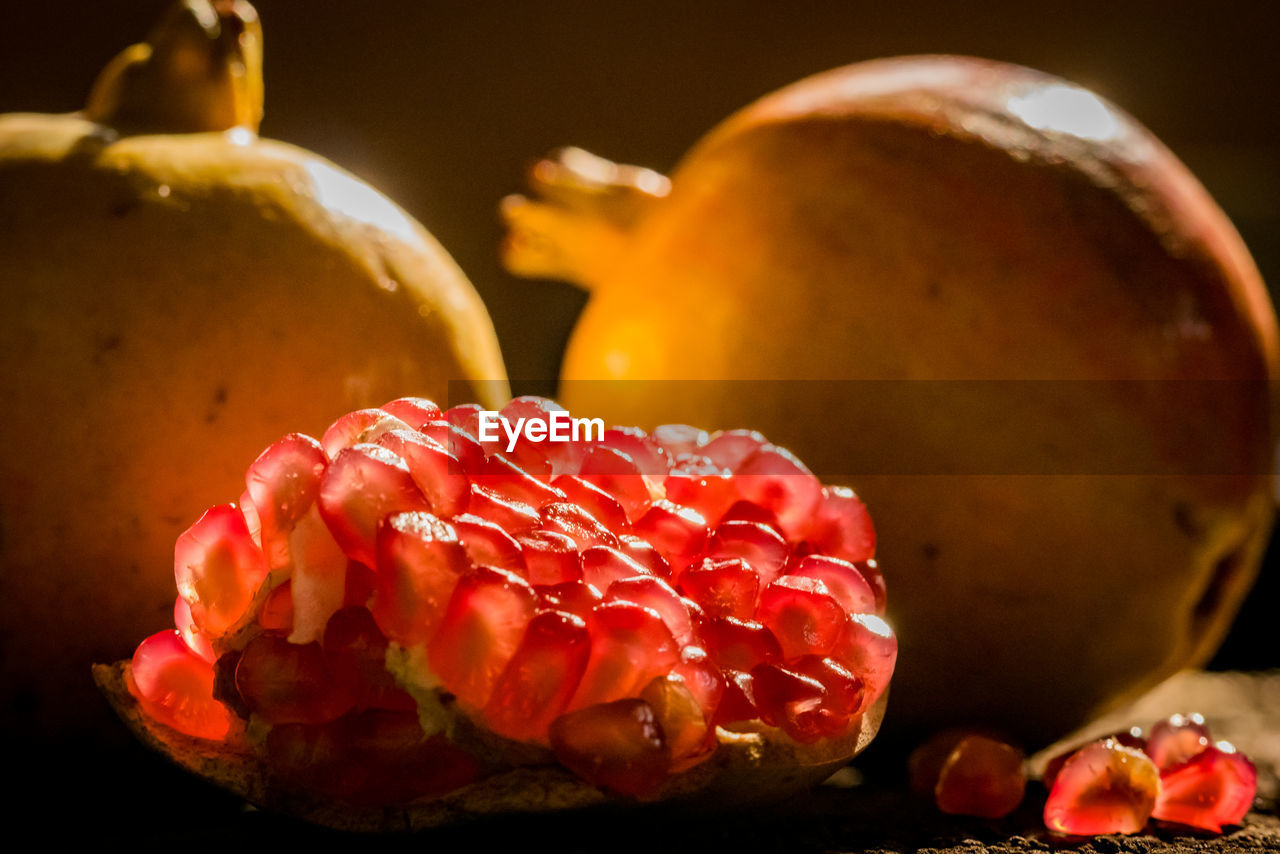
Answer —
1048 351
421 620
969 773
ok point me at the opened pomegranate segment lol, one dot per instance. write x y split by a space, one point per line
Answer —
615 605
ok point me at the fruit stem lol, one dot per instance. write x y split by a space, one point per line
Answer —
199 70
579 224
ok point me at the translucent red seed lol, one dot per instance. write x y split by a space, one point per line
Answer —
1176 740
284 683
1212 789
538 682
727 587
218 568
175 685
969 773
617 745
801 613
362 486
630 645
420 560
1103 788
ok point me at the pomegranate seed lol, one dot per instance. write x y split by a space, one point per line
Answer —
746 511
657 595
549 558
537 457
318 584
489 544
868 648
572 597
360 585
282 484
617 474
1176 740
503 477
789 700
364 426
362 486
842 526
617 746
355 653
870 571
600 504
724 588
460 445
844 690
285 683
802 614
419 563
602 566
218 568
629 646
480 631
541 677
187 630
1104 787
677 439
414 411
759 545
578 525
729 448
969 773
1131 737
645 554
175 686
738 701
466 417
1215 787
437 473
515 517
649 456
842 580
677 532
277 611
740 644
774 479
698 483
703 679
683 725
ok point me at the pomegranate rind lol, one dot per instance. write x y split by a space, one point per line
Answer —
750 767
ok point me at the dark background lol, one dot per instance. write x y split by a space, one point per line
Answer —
443 105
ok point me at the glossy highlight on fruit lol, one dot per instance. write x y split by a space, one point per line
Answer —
562 613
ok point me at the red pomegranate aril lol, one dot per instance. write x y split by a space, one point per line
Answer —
842 580
1104 787
503 477
677 439
802 614
602 566
869 649
536 457
355 653
538 682
738 701
698 483
618 746
576 524
759 545
684 727
414 411
729 448
362 486
1177 739
466 417
870 571
1131 737
1213 788
191 636
842 526
649 456
285 683
515 517
740 644
282 484
979 776
678 532
218 568
363 426
461 446
723 588
318 582
437 473
277 611
420 560
617 474
656 594
549 558
646 554
703 679
746 511
844 690
175 686
774 479
359 585
573 597
480 631
630 645
600 504
789 700
488 543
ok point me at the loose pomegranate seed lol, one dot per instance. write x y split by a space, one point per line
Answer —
630 645
538 682
437 473
1104 787
414 411
970 773
1131 737
759 545
488 543
842 526
602 566
218 568
740 644
600 504
175 685
678 532
1213 788
802 614
842 580
677 439
355 653
774 479
187 630
724 588
617 474
549 558
362 486
419 563
576 524
285 683
480 631
657 595
282 485
617 746
684 727
359 427
1176 740
277 611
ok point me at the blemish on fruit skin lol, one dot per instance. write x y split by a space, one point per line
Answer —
107 345
219 401
1185 520
930 551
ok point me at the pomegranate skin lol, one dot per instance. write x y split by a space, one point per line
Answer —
951 219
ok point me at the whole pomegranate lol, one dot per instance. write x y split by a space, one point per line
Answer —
998 301
177 292
412 620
